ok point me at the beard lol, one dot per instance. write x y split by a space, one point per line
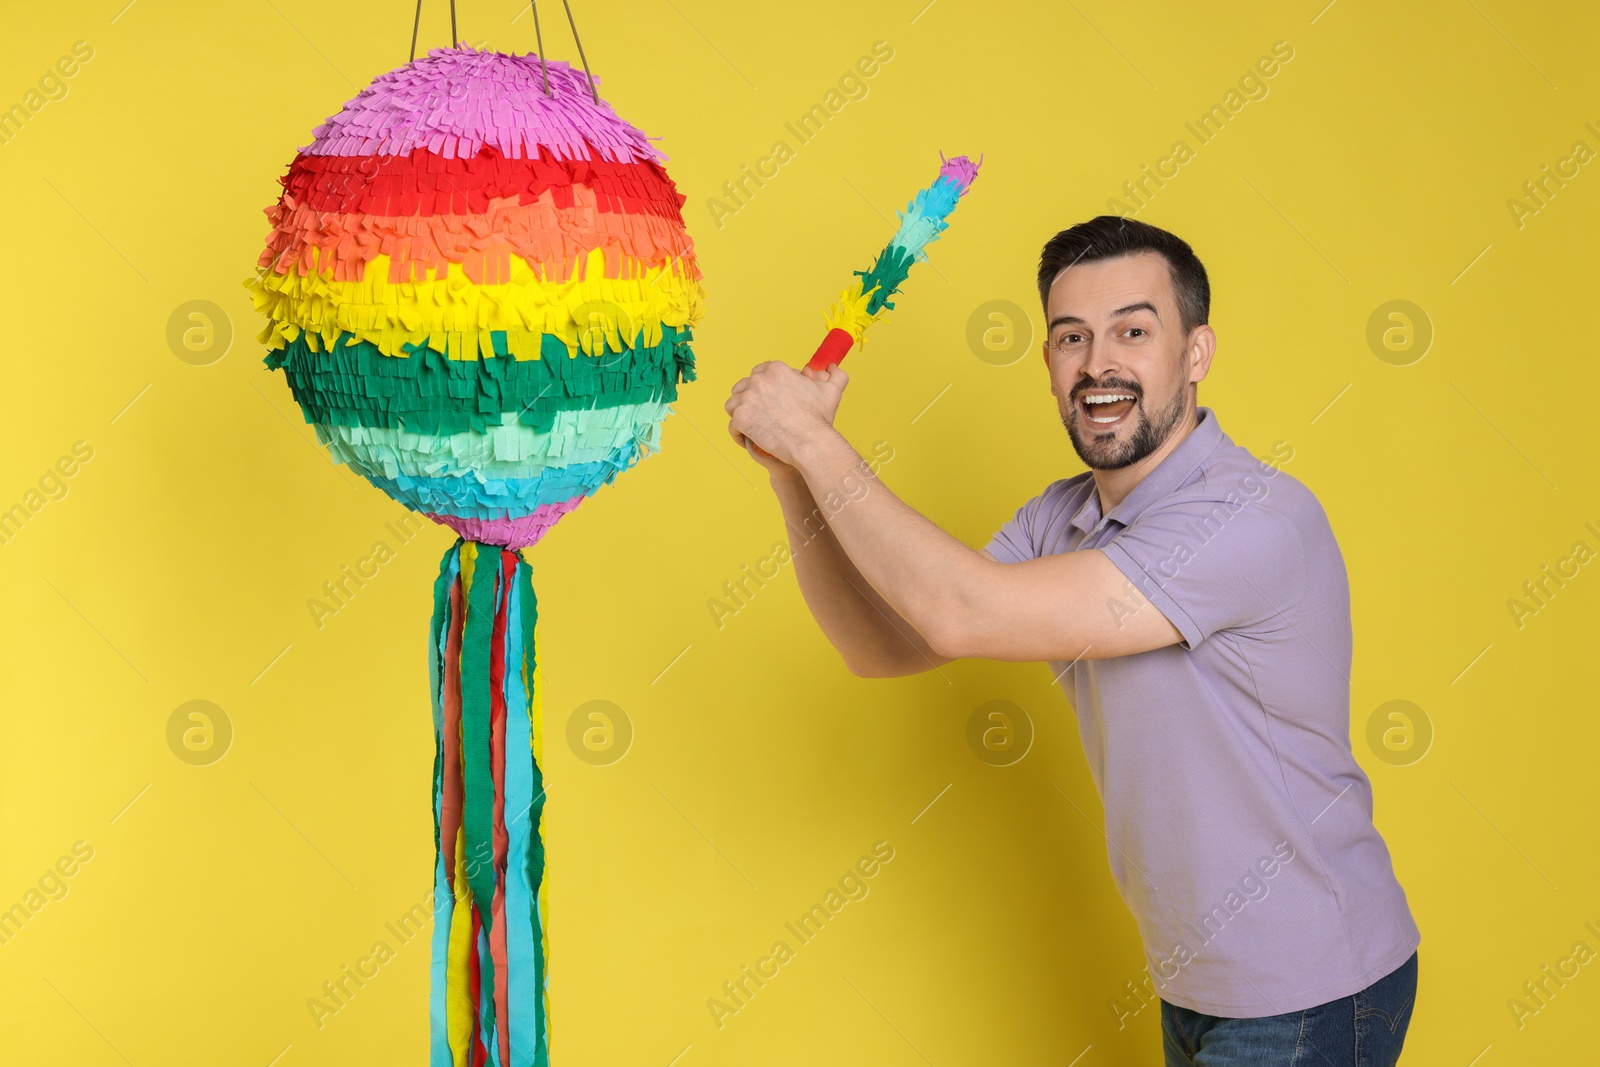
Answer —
1102 451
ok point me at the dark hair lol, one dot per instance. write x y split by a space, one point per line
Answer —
1112 237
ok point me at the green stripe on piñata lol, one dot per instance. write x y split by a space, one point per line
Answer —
356 385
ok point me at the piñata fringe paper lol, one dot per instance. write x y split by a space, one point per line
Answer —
457 246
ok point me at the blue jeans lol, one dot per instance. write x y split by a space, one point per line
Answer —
1365 1029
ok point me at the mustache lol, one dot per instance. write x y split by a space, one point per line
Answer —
1107 383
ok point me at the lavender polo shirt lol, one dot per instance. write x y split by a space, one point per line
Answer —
1238 822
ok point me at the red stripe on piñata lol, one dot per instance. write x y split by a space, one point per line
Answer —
423 183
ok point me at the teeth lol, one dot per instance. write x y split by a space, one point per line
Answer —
1107 399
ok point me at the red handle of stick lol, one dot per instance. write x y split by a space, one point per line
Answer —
832 349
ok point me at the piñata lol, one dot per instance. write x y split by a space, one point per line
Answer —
480 289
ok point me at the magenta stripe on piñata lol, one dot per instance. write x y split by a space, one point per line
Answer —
519 532
504 105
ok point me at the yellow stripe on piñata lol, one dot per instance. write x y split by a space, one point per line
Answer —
453 316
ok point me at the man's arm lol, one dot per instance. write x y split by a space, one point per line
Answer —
1075 605
874 640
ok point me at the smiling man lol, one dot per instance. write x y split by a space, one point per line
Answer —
1194 604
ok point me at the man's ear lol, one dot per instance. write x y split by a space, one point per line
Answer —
1202 346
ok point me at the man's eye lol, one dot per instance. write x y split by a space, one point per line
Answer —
1136 330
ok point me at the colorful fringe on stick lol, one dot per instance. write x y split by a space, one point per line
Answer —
481 294
866 299
489 998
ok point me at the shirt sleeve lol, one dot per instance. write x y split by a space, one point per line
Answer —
1016 540
1213 562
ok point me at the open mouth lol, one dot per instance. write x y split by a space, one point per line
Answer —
1105 409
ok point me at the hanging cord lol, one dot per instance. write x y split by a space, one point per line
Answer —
538 34
539 39
581 56
416 24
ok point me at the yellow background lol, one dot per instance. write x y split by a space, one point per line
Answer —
179 564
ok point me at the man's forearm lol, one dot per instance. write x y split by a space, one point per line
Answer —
922 573
873 638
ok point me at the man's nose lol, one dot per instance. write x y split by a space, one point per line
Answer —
1101 359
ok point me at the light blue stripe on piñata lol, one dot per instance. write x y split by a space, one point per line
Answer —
510 450
523 993
499 498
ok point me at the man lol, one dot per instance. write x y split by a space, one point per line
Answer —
1195 603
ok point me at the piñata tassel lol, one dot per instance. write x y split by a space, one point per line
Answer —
489 999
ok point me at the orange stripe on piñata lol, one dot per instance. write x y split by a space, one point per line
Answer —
540 232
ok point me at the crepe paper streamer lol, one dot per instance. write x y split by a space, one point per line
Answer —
865 300
490 1002
482 296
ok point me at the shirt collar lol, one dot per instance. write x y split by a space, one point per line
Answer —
1168 475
